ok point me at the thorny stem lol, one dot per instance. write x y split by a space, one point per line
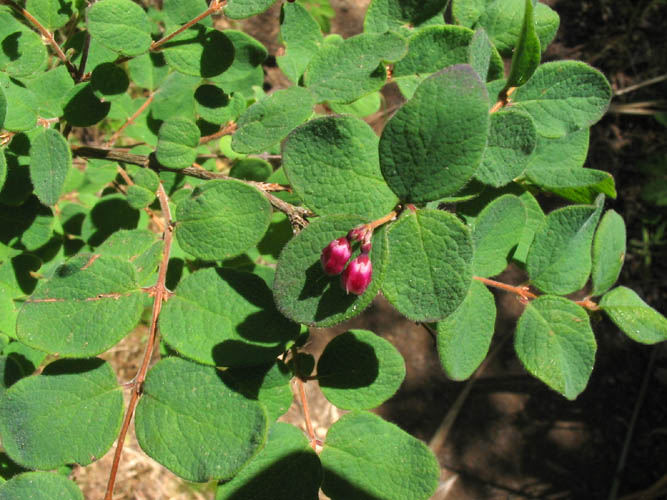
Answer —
526 295
215 6
503 99
46 34
130 120
160 295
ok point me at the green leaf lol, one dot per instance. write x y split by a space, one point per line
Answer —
22 52
511 142
175 97
27 358
504 20
430 264
120 25
390 15
495 232
37 432
633 316
109 81
563 97
359 370
40 486
465 335
48 89
240 305
346 72
31 223
556 344
580 185
52 14
222 219
429 150
568 151
268 121
534 219
559 260
332 164
251 169
192 423
3 112
608 252
178 139
82 108
200 52
138 246
356 468
3 166
287 467
437 47
110 214
50 160
87 306
240 9
527 53
268 384
304 293
302 38
484 58
214 106
20 114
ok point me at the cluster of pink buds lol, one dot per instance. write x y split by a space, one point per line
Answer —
358 274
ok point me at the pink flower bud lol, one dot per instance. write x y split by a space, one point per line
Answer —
366 244
357 275
335 255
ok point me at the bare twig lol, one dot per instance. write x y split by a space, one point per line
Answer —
229 128
112 140
46 34
640 85
521 291
215 6
160 293
503 99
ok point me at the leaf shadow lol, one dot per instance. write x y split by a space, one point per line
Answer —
332 299
110 215
10 46
295 476
354 366
336 486
217 50
72 366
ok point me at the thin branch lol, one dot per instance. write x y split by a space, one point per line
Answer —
297 215
229 128
521 291
160 295
306 413
46 34
84 58
215 6
640 85
112 140
503 99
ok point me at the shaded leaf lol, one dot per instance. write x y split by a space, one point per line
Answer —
608 252
633 316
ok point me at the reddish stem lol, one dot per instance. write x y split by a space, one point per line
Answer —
161 294
503 99
129 121
215 6
306 413
521 291
230 128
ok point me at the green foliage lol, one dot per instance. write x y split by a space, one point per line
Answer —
212 201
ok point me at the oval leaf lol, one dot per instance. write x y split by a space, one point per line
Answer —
222 219
432 146
192 423
240 305
430 264
633 316
120 25
356 468
608 252
199 52
556 344
178 139
87 306
304 293
559 259
50 161
359 370
563 97
332 164
42 432
302 38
